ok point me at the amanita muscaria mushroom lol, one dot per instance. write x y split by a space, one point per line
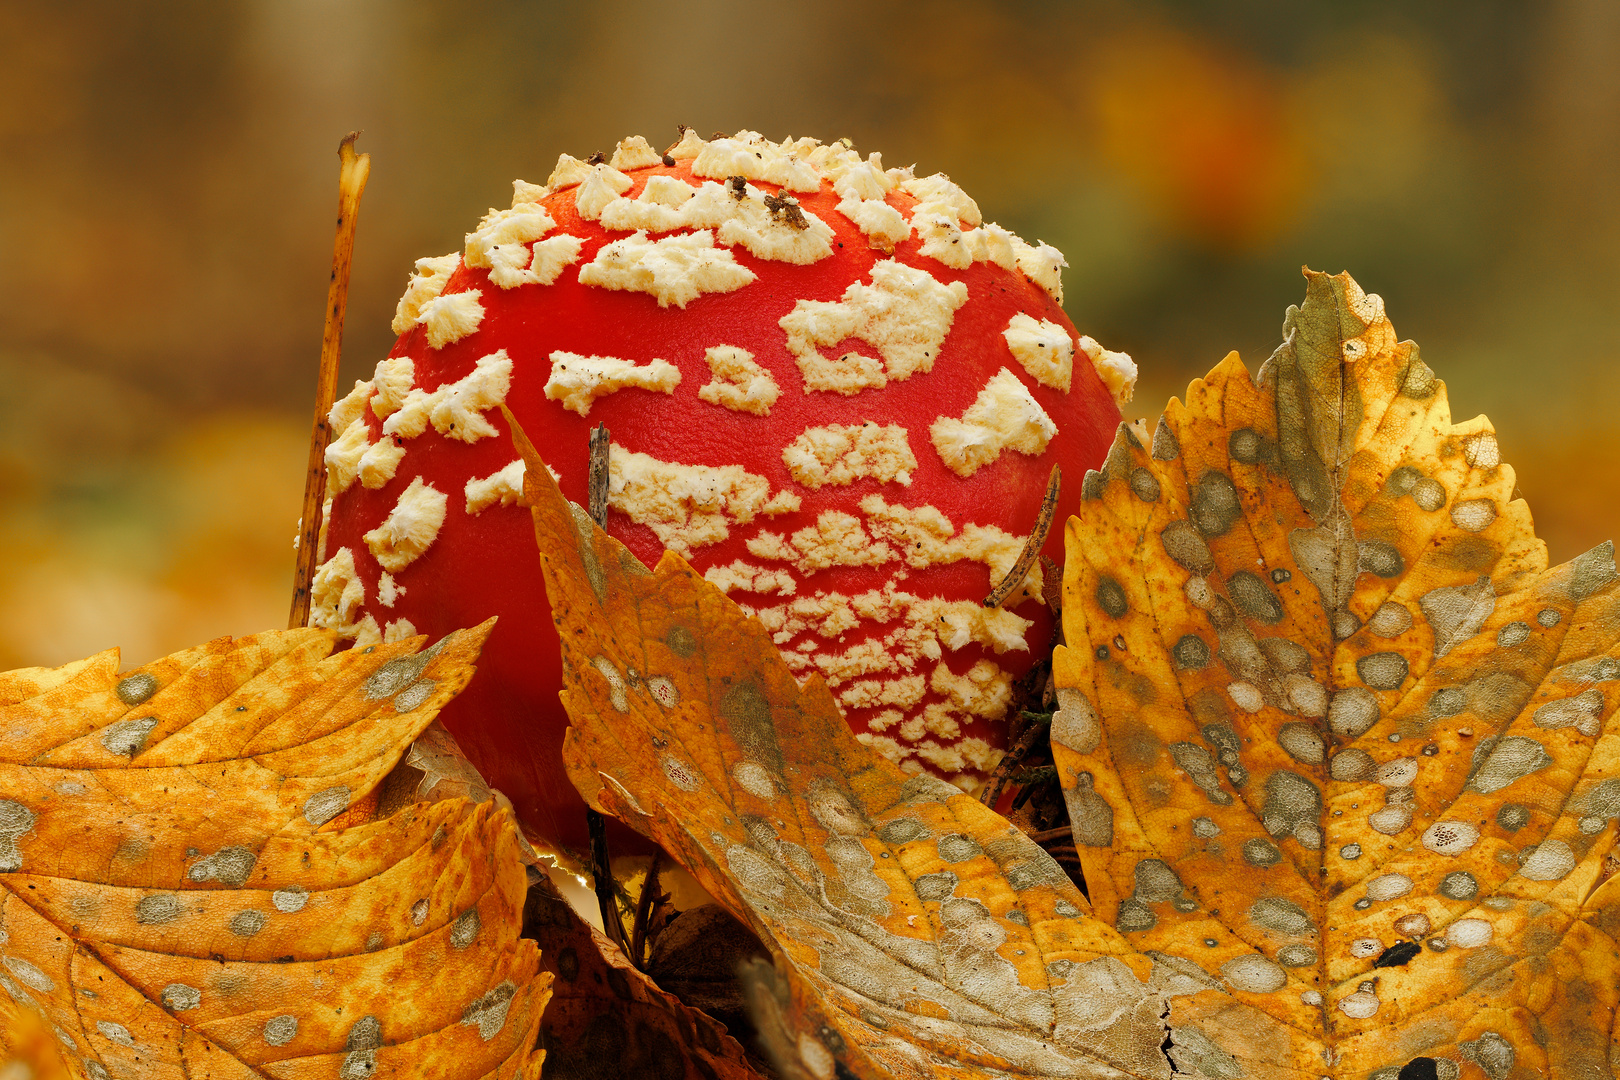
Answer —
830 386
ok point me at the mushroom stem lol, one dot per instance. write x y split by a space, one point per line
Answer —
353 171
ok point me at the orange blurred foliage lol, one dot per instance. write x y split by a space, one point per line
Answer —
1203 133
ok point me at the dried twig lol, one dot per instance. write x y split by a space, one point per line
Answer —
600 444
644 909
602 878
1032 547
1046 836
354 170
596 825
1016 754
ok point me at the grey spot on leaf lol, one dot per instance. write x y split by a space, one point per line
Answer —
280 1030
1499 762
127 737
1429 494
1514 633
1458 885
1419 382
1380 557
1111 597
1581 712
1302 742
16 820
488 1013
229 866
291 899
394 676
1247 445
936 886
1091 819
1492 1053
1156 882
902 831
464 931
1382 671
326 804
116 1032
1447 702
1183 544
29 975
414 695
1390 620
681 641
136 689
179 997
1401 481
1551 860
1296 955
1254 974
1457 612
1191 653
247 923
1253 598
1282 915
1165 446
1134 916
1352 712
1592 571
1215 504
956 848
158 909
1473 515
1261 853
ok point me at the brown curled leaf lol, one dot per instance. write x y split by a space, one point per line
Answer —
915 932
608 1019
175 902
446 772
1337 745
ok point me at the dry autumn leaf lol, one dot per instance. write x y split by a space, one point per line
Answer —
178 901
1339 749
915 932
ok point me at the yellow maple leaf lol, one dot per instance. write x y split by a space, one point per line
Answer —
1339 749
175 899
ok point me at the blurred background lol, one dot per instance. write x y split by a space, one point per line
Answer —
168 187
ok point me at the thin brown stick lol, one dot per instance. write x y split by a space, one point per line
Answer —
595 823
600 445
1032 546
1003 772
353 171
644 907
1062 832
602 879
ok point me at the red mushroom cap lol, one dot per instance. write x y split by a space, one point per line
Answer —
830 386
